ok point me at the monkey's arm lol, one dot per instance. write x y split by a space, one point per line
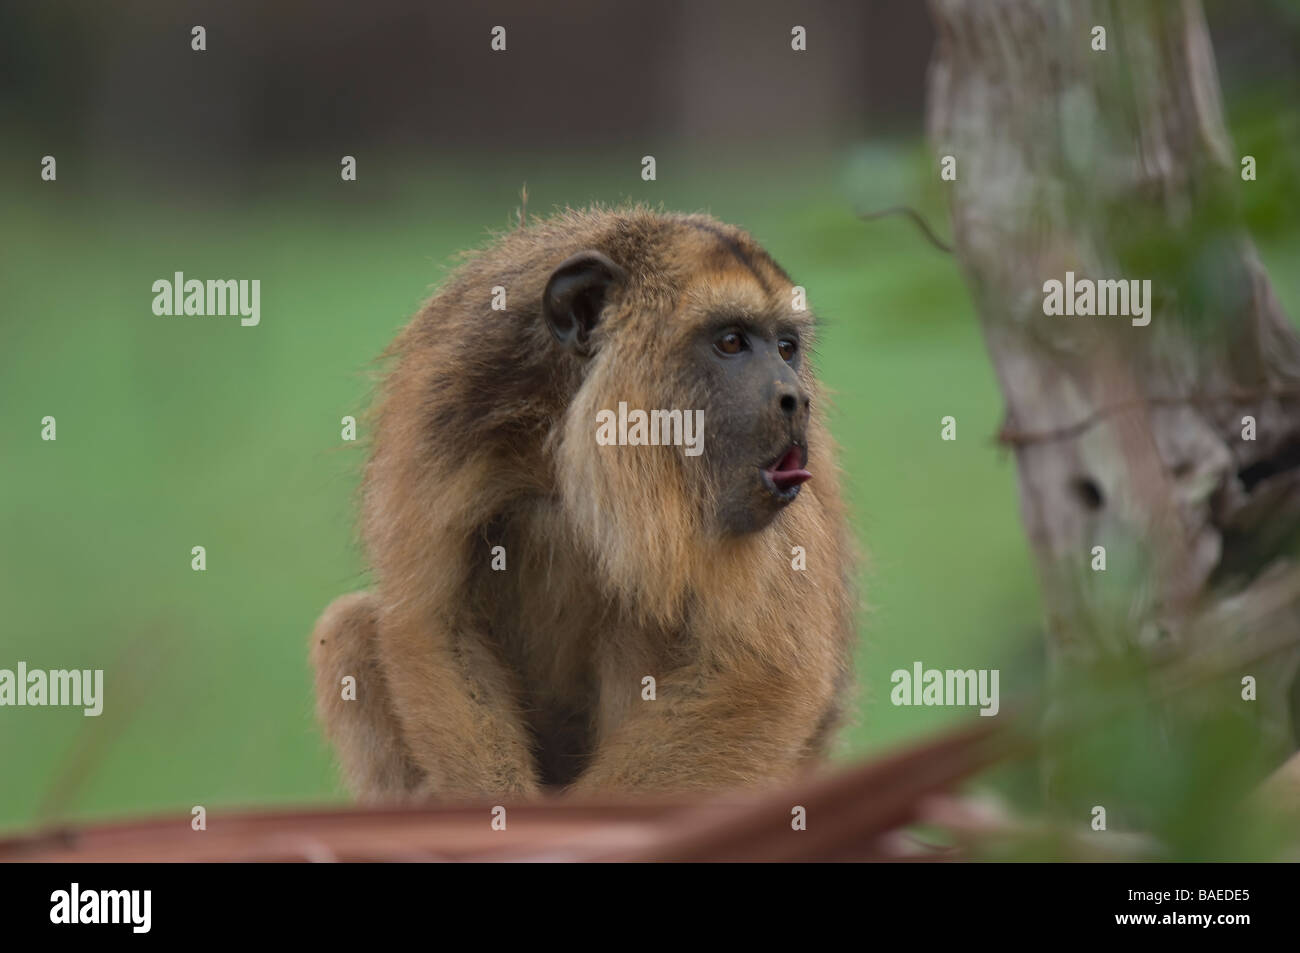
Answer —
708 730
458 713
358 717
433 713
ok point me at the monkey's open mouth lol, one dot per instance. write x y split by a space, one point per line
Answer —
786 473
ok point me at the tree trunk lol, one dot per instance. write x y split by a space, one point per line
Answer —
1116 164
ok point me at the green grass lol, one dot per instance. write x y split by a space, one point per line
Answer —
174 432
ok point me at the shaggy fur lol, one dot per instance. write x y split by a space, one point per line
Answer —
476 682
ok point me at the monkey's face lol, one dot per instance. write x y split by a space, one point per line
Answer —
756 413
728 356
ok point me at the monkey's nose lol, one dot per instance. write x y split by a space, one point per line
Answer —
787 398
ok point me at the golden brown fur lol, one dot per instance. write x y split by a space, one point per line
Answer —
480 682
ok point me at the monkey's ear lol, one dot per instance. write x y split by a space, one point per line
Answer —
575 295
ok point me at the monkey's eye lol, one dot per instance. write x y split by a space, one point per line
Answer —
786 348
731 342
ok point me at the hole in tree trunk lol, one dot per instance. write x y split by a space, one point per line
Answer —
1288 458
1087 492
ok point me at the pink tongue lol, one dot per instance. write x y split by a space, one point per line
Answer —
788 473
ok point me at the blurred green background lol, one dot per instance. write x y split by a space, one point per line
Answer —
183 431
